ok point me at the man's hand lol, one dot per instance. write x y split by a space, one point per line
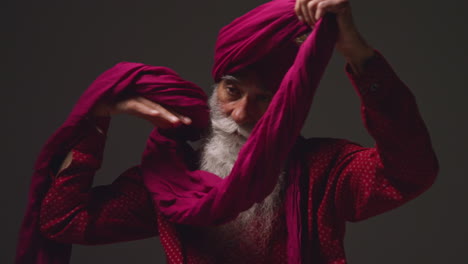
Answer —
350 43
137 106
143 108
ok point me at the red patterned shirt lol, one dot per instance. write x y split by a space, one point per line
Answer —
346 182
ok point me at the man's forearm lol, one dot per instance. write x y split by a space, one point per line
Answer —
74 212
402 164
358 57
101 125
355 50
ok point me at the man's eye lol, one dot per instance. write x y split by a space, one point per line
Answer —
232 90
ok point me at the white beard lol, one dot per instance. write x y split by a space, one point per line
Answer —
254 226
223 145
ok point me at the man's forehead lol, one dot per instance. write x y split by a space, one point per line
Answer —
246 78
230 78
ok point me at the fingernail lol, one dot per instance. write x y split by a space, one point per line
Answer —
187 120
301 18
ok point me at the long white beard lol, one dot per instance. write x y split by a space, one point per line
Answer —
219 154
223 145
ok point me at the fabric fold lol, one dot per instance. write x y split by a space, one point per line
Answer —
159 84
180 193
202 198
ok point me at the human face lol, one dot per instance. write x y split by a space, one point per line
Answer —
243 98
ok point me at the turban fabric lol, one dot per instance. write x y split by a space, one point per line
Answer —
196 197
263 39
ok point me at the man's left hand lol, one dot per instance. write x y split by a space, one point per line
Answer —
350 43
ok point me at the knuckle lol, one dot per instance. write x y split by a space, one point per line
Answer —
155 113
160 107
130 104
137 98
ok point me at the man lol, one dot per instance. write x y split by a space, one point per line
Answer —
345 182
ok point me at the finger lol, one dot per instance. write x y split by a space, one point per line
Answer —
184 119
312 8
321 9
298 11
305 12
159 112
152 114
333 6
137 108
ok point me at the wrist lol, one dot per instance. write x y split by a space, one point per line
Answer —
351 44
355 50
359 56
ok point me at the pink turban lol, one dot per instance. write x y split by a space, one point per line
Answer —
265 39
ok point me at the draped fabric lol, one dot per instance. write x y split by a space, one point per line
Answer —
263 39
158 84
201 198
197 197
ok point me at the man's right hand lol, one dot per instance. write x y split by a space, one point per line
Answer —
143 108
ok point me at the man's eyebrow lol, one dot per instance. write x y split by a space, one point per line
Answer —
230 78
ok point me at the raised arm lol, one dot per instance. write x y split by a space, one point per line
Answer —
369 181
402 164
126 79
74 212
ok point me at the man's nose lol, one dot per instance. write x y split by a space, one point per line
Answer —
242 112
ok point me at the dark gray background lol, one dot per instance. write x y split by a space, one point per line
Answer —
59 47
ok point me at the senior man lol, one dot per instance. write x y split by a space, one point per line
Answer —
299 214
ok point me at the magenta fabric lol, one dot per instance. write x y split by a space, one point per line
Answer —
159 84
201 198
264 39
191 196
